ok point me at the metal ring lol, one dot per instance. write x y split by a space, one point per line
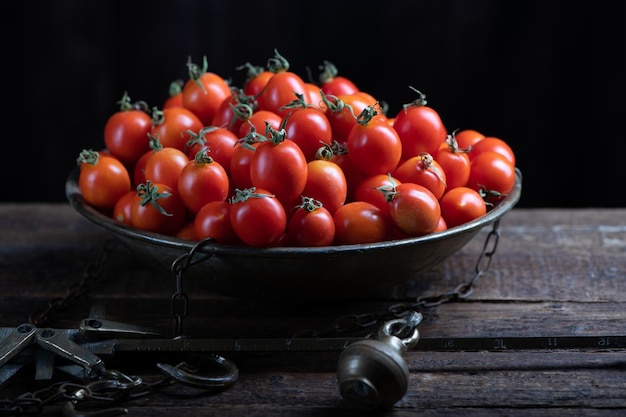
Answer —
182 374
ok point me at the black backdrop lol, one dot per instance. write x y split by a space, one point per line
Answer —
548 76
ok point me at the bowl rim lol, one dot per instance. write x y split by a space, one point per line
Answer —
76 200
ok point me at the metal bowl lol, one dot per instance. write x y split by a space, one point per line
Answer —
324 273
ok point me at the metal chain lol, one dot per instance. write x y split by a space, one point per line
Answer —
358 322
180 300
92 272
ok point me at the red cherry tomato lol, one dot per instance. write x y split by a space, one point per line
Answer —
204 92
282 88
311 225
157 208
326 183
414 209
175 97
279 166
164 165
201 181
102 179
234 111
126 132
369 190
220 141
172 126
257 217
492 174
309 128
374 147
423 170
491 143
259 121
343 111
139 170
420 128
360 222
213 220
121 211
466 138
334 84
256 78
240 163
186 232
461 205
454 162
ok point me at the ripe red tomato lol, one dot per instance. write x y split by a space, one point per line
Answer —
213 220
423 170
420 128
454 162
338 154
139 170
326 183
374 147
102 179
491 143
279 166
282 88
220 141
257 217
491 173
343 111
121 210
311 225
204 92
466 138
256 78
309 128
414 209
172 126
240 164
334 84
164 166
186 232
175 97
157 208
259 121
461 205
126 132
201 181
369 190
360 222
234 111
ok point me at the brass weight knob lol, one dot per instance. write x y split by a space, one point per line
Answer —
372 373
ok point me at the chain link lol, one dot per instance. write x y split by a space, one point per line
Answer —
358 322
92 272
180 300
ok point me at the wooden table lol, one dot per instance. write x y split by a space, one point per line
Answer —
556 273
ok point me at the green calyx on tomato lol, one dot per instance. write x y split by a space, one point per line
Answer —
88 156
367 114
389 190
241 196
126 104
310 204
150 194
195 72
277 63
419 101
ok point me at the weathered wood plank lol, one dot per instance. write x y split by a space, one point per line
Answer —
556 272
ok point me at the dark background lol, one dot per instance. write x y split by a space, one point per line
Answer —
548 76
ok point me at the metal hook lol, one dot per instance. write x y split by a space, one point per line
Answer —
408 322
185 375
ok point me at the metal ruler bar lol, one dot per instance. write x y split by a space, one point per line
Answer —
338 344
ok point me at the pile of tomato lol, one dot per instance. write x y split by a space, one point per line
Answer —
281 161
